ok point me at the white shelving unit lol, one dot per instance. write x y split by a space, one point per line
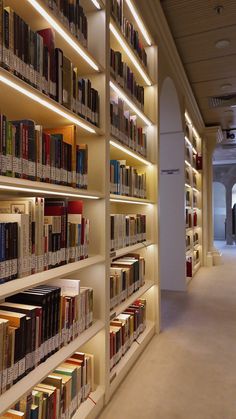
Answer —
193 200
98 202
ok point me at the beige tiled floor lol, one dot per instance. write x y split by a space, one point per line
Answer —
189 370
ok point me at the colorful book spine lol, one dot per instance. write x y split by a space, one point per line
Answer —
127 230
125 129
126 180
125 328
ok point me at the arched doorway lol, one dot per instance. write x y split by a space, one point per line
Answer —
219 211
171 217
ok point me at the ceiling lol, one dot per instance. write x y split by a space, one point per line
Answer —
196 26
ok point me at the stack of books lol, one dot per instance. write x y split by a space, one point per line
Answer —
72 16
27 151
127 230
125 129
34 58
127 275
125 180
128 30
36 323
61 393
123 75
125 329
38 234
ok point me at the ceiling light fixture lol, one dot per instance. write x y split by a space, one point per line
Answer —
226 86
222 43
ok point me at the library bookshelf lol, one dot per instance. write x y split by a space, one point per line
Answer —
193 199
19 100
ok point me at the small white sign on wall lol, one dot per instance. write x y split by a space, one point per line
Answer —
170 171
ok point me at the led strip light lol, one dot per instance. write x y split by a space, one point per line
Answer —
45 192
45 103
123 96
130 54
130 153
52 22
96 4
127 201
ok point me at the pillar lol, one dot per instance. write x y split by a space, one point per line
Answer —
229 235
211 256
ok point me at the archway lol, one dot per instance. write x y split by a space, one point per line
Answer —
172 221
219 211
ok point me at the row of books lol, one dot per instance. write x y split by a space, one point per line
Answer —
127 230
123 75
128 29
124 128
195 240
189 176
125 180
72 16
195 160
127 275
61 393
33 57
36 323
38 234
29 152
191 137
191 218
125 329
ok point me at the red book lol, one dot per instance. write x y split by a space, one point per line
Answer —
199 162
75 207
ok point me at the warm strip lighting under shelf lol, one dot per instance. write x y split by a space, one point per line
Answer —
45 103
139 22
53 23
44 191
131 105
130 153
195 171
194 150
96 4
187 118
187 185
196 190
130 55
188 164
127 201
187 141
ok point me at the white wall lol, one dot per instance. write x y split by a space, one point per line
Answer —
219 210
171 191
172 213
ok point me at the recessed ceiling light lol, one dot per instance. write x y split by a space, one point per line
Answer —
226 86
222 43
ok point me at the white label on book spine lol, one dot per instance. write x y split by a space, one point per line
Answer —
4 380
16 371
22 366
40 263
31 168
2 270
